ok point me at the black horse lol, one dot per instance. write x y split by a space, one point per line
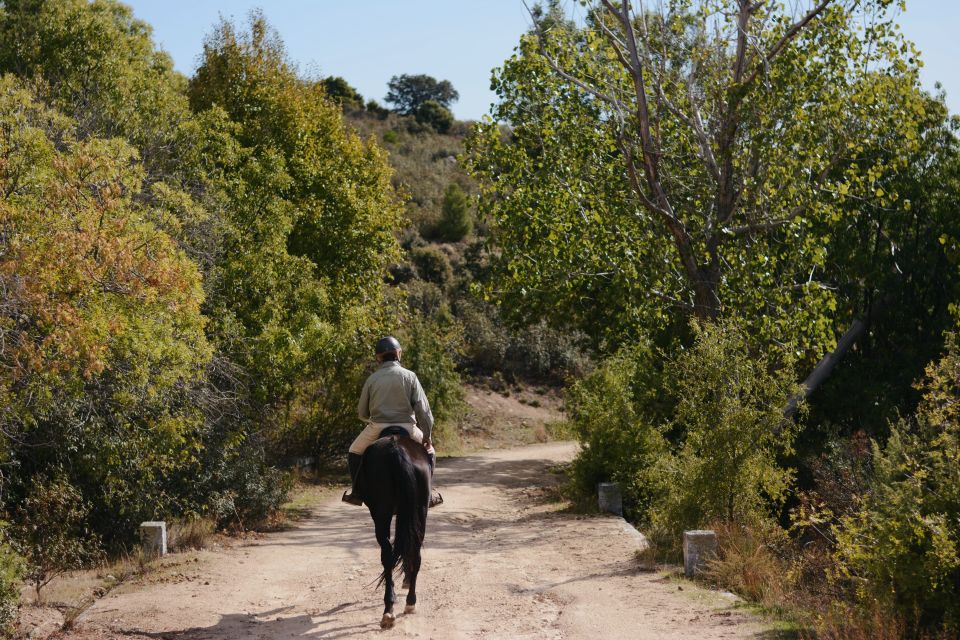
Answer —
395 476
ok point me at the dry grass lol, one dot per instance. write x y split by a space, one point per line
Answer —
748 566
792 582
190 533
843 622
647 558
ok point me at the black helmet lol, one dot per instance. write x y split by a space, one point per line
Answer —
387 345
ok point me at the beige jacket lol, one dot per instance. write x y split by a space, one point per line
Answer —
393 395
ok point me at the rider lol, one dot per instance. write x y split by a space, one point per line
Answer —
391 396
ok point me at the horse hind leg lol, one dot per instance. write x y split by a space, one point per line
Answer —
382 527
412 569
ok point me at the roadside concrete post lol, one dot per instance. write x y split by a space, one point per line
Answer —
153 538
610 497
698 548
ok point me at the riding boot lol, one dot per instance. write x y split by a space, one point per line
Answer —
435 497
353 461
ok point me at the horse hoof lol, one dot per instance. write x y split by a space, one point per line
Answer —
386 622
410 608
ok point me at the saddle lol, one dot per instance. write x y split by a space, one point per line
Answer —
393 431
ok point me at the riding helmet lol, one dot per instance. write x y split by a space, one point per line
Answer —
387 345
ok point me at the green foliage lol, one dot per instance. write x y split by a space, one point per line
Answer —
310 214
97 63
456 222
543 352
435 115
627 236
340 91
433 265
192 298
51 530
376 109
104 339
731 431
432 340
907 259
408 93
617 411
902 547
251 493
300 135
12 570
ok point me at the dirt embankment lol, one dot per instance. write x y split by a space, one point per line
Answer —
500 562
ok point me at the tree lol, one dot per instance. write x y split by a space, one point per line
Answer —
340 91
409 92
103 338
310 214
897 265
693 161
98 64
52 531
455 221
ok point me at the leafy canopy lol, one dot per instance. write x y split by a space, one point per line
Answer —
656 166
408 93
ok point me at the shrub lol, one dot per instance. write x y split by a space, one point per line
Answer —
50 530
11 573
540 351
456 222
253 492
486 340
433 265
729 421
376 109
615 418
902 548
536 351
434 114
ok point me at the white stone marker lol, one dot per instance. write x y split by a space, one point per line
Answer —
698 548
153 538
610 498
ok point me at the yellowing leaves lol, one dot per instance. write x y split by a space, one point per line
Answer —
91 281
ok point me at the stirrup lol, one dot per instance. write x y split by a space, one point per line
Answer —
435 499
352 499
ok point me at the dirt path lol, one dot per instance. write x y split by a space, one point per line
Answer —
500 563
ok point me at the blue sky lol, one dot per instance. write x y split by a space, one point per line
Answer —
459 40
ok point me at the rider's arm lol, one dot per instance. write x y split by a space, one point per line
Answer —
421 409
363 407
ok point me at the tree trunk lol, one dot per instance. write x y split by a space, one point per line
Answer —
825 367
706 301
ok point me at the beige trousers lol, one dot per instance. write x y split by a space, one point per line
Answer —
372 431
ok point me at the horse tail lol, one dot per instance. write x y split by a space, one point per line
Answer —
412 497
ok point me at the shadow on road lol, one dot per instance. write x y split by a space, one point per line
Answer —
448 526
273 624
